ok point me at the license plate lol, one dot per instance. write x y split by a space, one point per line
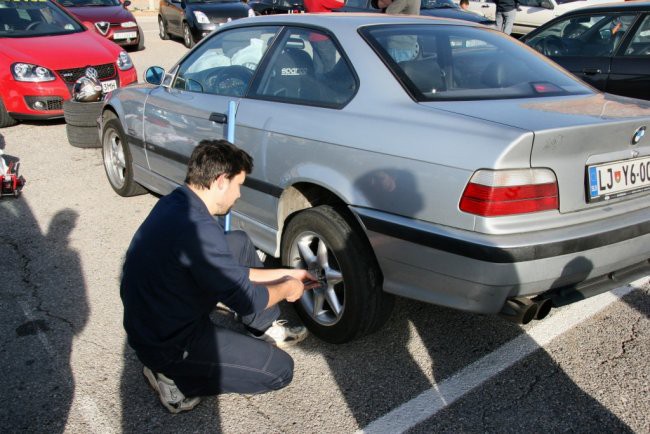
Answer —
610 180
125 35
109 85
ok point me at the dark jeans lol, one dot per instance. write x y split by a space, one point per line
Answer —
219 360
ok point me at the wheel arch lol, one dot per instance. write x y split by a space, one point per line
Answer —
304 195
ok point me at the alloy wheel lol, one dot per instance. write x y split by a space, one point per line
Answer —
325 304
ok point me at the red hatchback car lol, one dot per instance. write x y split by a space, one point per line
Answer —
43 51
111 19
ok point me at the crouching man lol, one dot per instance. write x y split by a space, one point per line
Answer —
180 264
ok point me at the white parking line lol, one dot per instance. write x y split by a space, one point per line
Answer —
428 403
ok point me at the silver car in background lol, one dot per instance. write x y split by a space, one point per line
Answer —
428 158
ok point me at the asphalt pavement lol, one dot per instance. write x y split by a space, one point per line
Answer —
66 366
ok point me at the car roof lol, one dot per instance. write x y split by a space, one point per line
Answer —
628 6
346 20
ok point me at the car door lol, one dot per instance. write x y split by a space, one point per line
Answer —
533 14
303 84
630 69
172 12
583 43
483 7
194 106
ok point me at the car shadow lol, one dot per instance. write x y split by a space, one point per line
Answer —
44 306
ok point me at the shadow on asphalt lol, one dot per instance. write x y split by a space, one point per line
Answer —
44 306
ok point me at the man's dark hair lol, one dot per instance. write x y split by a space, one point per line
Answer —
212 158
464 2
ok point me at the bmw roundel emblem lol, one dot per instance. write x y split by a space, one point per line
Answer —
638 134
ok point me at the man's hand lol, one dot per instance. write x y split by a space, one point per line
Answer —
383 4
291 288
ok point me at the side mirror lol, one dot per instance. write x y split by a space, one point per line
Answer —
154 75
546 4
126 3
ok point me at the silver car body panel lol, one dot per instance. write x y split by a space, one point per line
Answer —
402 172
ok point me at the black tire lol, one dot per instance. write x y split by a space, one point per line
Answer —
118 162
83 137
141 40
162 29
82 114
5 119
364 305
188 39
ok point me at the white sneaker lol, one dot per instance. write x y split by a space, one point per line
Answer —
170 396
281 335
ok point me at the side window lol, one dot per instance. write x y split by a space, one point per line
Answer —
589 35
640 44
225 64
307 68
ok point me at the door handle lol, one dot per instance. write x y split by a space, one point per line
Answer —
485 6
219 118
591 71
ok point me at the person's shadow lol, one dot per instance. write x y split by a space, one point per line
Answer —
43 308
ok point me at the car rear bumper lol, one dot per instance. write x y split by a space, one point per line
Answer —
477 272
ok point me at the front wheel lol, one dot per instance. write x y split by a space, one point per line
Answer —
188 40
351 302
5 119
118 162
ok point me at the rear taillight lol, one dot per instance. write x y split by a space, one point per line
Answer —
493 193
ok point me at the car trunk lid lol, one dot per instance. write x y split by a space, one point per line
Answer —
572 134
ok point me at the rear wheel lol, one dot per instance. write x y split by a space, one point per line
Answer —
162 29
118 161
351 302
188 40
5 119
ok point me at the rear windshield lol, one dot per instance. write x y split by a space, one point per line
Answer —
24 19
441 62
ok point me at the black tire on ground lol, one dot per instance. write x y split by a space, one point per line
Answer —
115 149
365 307
5 119
162 29
141 41
82 114
188 39
83 137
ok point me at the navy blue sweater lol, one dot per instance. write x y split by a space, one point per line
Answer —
177 268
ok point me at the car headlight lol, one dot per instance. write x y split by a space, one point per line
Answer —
251 13
29 72
124 61
201 17
128 24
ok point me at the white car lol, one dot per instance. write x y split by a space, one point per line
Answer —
534 13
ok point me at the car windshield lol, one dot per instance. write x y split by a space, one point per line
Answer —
443 62
24 19
89 3
438 4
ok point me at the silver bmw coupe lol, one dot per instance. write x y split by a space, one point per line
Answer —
427 158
